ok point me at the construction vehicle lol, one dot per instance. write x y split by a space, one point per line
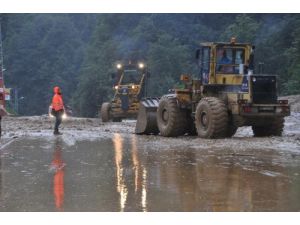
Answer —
129 88
225 95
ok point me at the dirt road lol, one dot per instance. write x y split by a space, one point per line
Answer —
91 128
82 128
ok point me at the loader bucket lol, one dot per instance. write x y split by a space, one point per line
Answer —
146 119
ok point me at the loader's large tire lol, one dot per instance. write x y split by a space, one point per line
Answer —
171 120
274 128
211 118
191 128
105 112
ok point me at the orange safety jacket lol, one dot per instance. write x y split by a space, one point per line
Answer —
57 101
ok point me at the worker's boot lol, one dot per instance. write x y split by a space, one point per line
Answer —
56 132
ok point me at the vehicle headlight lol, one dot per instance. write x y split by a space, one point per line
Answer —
119 66
133 86
141 65
116 87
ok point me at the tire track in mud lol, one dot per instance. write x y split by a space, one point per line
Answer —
6 143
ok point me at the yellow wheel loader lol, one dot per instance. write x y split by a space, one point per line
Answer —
129 88
225 95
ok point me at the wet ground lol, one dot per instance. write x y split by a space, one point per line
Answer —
125 172
97 166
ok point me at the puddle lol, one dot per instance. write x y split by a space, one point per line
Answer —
124 173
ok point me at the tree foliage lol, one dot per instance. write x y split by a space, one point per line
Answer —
244 29
78 51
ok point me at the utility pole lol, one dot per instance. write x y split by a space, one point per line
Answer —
2 90
16 103
1 56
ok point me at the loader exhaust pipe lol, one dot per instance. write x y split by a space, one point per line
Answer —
146 120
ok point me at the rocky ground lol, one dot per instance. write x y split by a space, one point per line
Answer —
92 128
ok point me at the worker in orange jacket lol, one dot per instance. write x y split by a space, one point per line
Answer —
57 109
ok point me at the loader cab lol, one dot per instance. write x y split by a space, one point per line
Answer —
224 62
130 74
230 60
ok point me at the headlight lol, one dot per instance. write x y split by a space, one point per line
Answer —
116 87
133 87
141 65
119 66
64 116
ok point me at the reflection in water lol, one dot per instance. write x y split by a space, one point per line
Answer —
129 174
144 190
135 163
57 166
205 182
137 167
121 186
139 188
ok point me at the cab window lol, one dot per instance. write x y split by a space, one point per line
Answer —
131 77
229 60
205 65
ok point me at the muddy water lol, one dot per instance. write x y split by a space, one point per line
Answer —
122 173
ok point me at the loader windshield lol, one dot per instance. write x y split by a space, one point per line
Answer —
229 60
131 77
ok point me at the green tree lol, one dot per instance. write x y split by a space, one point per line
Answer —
244 29
41 51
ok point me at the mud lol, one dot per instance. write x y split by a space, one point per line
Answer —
76 129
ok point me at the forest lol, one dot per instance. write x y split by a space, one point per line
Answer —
78 52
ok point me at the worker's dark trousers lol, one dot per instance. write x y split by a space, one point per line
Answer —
58 119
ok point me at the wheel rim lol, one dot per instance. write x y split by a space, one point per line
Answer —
165 115
204 120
